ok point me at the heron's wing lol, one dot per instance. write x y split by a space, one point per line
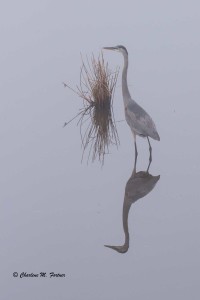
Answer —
140 122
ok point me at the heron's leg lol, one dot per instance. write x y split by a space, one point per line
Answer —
136 152
134 169
150 153
149 166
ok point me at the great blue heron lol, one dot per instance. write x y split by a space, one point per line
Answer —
137 118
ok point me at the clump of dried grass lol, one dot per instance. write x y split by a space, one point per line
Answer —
97 86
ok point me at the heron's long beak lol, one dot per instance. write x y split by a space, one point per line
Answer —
110 48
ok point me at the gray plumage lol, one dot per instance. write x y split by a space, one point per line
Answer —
139 121
137 118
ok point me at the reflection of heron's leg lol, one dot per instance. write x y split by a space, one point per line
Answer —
150 154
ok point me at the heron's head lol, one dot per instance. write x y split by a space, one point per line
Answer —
118 48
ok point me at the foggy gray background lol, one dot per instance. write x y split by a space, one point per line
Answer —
56 213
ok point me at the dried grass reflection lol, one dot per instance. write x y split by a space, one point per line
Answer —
96 118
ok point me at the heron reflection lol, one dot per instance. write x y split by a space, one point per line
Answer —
138 186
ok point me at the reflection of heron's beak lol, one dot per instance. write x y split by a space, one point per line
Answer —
120 249
110 48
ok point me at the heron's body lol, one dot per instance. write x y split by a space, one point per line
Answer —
137 118
140 122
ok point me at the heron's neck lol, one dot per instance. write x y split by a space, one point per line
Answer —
125 90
